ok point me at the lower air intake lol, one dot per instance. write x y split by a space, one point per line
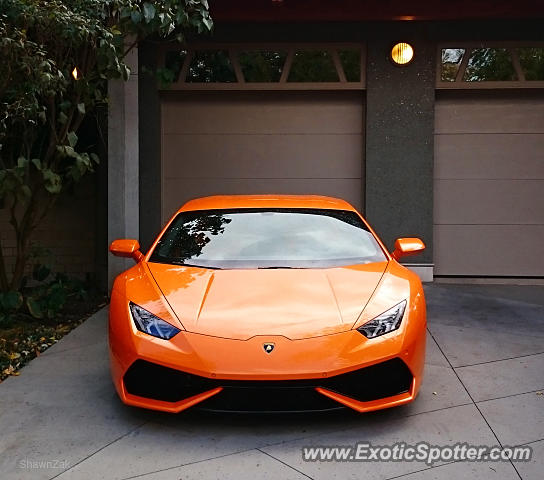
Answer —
153 381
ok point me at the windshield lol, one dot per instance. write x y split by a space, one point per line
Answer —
267 238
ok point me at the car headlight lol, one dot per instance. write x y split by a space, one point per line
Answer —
384 323
151 324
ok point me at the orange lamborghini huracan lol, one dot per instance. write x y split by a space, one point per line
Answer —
267 303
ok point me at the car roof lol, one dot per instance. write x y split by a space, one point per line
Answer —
266 201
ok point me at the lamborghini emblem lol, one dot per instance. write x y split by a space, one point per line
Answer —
268 347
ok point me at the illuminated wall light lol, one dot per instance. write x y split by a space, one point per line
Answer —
402 53
76 73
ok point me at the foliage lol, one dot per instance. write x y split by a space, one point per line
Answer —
44 300
490 64
532 62
10 303
20 345
48 299
23 338
57 56
188 235
211 66
263 65
451 59
48 306
313 66
493 64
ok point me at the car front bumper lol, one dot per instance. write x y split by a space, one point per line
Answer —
319 373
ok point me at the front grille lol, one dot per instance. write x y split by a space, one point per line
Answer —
385 379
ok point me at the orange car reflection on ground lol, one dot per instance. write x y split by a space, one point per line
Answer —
239 336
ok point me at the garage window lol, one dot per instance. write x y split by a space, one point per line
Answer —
532 63
486 64
262 65
313 66
210 66
265 67
490 66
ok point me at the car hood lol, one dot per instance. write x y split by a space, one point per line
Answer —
295 303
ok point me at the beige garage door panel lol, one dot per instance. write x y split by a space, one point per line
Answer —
188 188
489 201
264 156
250 113
248 143
489 115
495 250
489 184
489 155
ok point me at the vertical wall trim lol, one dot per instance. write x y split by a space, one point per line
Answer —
399 138
123 163
150 147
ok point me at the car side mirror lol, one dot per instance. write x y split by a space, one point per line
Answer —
407 246
127 248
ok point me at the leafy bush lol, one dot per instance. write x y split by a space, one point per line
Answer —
56 59
45 299
48 299
10 303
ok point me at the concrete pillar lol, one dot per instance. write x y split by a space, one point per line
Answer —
399 141
123 163
150 147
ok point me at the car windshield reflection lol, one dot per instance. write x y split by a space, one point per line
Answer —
267 239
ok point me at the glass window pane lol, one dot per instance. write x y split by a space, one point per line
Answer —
262 66
451 60
532 62
313 66
209 66
351 61
267 238
173 62
490 64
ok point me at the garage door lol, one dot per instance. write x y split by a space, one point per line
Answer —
261 142
489 184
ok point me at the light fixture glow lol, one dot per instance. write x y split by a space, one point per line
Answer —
402 53
76 73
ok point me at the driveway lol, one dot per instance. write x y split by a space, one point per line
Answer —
485 371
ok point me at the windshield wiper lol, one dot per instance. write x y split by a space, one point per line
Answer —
199 266
274 267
